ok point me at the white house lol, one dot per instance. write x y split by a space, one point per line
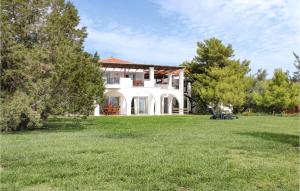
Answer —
140 89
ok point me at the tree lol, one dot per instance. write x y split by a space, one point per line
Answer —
96 55
210 53
296 76
280 93
44 68
217 77
21 66
77 80
257 90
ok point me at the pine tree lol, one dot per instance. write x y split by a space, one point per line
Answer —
96 56
21 65
73 92
258 88
280 93
217 77
44 68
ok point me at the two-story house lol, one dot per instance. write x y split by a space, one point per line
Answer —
141 89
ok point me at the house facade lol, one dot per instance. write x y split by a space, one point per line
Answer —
140 89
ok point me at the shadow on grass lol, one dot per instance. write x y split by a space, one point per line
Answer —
61 124
279 137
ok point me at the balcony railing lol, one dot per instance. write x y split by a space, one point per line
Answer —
113 80
138 83
128 82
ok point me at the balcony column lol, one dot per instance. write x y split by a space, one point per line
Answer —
157 105
123 106
181 106
151 75
181 80
128 105
151 105
169 80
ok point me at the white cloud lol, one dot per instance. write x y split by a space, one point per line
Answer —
138 46
263 31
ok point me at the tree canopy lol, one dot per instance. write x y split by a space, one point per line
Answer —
217 77
44 68
278 94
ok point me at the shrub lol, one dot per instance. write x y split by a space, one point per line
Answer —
17 113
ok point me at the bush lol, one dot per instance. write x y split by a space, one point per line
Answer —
17 113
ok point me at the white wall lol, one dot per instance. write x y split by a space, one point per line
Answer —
154 95
126 91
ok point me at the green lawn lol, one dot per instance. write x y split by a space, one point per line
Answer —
154 153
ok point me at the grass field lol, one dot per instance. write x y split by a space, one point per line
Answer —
154 153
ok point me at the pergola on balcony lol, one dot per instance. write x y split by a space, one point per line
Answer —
158 74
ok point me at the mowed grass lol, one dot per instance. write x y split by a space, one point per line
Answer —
154 153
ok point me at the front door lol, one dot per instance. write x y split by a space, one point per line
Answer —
139 105
142 105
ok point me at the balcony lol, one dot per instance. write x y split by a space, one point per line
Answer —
138 83
166 86
118 83
112 80
129 83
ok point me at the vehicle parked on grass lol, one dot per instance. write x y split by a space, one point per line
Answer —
221 115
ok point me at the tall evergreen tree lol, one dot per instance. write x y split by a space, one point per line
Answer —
217 77
96 55
76 91
257 89
280 93
21 65
44 68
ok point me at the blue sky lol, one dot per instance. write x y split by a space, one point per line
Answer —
166 31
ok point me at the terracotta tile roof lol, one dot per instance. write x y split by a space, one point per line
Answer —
115 60
119 63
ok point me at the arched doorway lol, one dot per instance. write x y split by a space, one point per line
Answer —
142 104
169 104
139 105
114 103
